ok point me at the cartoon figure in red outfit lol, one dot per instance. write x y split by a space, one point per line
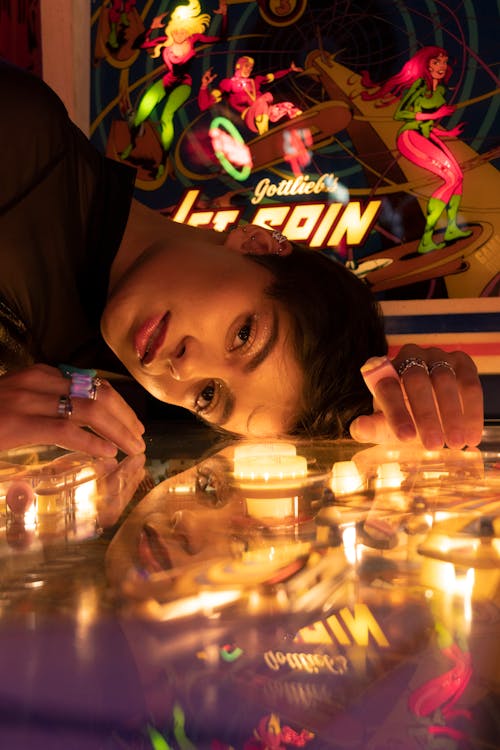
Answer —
185 29
244 94
420 87
270 735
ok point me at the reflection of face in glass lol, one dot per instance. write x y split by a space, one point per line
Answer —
438 66
195 327
197 520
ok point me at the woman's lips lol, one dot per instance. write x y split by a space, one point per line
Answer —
150 337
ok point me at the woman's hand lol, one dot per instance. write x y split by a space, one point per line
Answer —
437 400
29 402
116 489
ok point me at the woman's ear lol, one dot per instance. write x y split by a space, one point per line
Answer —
251 239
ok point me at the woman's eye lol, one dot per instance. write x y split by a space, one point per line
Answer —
244 333
244 336
205 398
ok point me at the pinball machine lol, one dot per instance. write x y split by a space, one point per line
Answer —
260 595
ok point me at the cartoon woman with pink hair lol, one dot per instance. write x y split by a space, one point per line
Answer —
421 87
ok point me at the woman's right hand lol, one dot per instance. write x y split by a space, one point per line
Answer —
29 401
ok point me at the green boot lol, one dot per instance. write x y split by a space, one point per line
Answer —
435 208
113 38
453 231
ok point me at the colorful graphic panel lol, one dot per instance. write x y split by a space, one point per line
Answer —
365 130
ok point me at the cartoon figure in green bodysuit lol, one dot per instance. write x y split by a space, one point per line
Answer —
420 87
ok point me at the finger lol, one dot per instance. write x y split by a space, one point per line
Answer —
420 394
105 418
20 430
116 489
446 393
372 428
384 384
111 400
471 394
43 379
104 415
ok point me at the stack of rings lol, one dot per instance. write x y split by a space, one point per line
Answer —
84 384
407 364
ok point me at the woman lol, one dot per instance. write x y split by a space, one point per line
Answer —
420 86
193 316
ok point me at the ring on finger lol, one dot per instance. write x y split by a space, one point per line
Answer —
84 383
64 407
441 363
407 364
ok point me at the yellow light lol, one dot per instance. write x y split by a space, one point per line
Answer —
268 469
275 448
85 495
389 475
346 478
276 507
349 541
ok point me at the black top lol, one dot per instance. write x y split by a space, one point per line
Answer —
63 211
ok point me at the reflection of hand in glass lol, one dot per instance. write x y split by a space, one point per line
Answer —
116 489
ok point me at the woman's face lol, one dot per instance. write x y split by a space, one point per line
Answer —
194 326
438 66
168 531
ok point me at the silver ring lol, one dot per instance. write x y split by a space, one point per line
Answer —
64 407
407 364
441 363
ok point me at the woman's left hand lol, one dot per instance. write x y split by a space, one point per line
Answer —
436 399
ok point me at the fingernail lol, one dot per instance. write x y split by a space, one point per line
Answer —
141 445
406 432
456 438
109 449
433 441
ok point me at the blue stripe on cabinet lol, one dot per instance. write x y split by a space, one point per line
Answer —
443 323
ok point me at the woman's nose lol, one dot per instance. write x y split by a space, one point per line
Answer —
196 359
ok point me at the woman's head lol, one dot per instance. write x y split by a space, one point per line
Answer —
193 323
425 64
257 344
